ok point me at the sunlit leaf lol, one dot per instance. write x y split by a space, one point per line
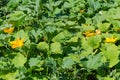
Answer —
108 78
19 60
10 76
103 26
35 62
92 61
43 46
56 48
94 41
73 39
17 15
61 36
50 62
111 53
13 3
67 63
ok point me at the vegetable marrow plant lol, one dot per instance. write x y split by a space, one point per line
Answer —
59 39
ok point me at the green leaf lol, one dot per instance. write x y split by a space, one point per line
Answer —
86 27
103 26
1 44
67 63
94 41
66 5
61 36
111 53
33 62
13 3
10 76
112 14
108 78
1 20
36 62
17 15
56 48
50 62
57 3
43 46
19 60
73 39
101 72
116 24
87 48
70 23
36 34
91 3
116 13
92 61
57 11
95 5
75 57
21 34
99 18
50 29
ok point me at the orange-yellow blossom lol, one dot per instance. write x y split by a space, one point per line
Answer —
110 40
89 33
9 30
81 11
17 43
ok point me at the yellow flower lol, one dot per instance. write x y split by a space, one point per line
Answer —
110 40
81 11
89 33
17 43
9 30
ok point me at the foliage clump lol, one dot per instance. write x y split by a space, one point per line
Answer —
59 39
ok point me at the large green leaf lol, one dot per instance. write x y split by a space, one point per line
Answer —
57 11
87 48
103 26
73 39
94 41
35 62
50 29
17 15
108 78
13 3
92 61
10 76
21 34
56 48
116 24
19 60
67 63
70 23
36 34
75 57
95 5
112 14
61 36
66 5
111 53
43 46
50 62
